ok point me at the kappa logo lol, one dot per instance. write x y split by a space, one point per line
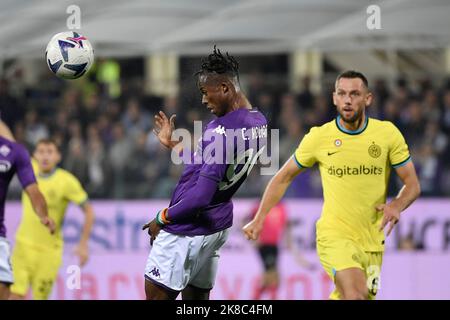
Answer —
4 150
220 130
155 272
5 166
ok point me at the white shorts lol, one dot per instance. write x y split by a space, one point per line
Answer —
177 261
6 275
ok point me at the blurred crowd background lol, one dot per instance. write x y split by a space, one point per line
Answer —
103 124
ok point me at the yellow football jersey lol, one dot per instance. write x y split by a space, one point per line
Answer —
59 188
355 168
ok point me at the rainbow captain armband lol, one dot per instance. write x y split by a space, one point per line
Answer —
161 217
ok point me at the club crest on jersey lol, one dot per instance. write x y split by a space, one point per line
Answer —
4 150
374 150
338 142
5 166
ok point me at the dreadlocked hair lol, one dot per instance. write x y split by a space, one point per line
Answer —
216 62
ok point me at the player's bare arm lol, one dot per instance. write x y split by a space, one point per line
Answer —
275 190
40 206
407 195
82 249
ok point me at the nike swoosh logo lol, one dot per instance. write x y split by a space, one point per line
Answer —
330 153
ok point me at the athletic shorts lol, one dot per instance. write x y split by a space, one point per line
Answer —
37 267
6 274
339 254
177 261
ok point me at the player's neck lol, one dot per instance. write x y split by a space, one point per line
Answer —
353 126
241 102
46 173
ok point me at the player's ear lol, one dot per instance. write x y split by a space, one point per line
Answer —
369 99
334 98
224 87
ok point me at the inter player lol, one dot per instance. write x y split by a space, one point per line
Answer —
192 229
14 158
37 255
355 155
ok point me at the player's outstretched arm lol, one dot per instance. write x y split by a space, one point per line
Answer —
275 190
407 195
40 206
5 132
82 249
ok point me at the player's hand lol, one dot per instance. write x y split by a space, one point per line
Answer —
391 216
153 230
82 251
49 223
164 128
253 229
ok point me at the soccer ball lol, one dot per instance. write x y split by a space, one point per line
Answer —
69 55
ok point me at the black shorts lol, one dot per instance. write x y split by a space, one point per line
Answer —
269 256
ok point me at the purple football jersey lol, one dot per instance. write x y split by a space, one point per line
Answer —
228 149
13 158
